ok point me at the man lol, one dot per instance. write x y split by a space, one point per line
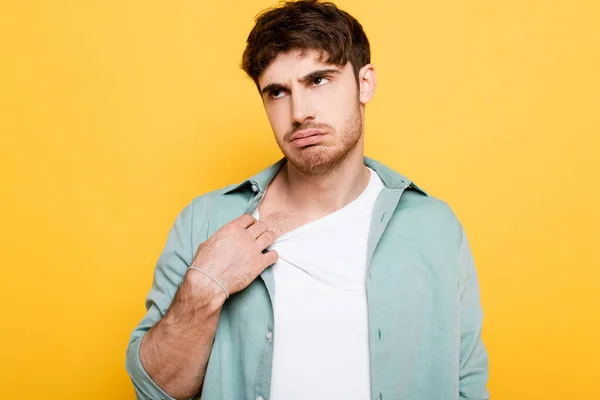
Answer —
327 275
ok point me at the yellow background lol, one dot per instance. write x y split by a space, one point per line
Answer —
115 114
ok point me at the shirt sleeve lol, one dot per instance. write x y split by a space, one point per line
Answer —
473 374
168 274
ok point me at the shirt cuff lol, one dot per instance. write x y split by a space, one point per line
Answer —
145 387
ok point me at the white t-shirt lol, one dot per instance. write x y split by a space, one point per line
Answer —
320 335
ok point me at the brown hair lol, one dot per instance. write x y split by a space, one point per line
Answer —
306 25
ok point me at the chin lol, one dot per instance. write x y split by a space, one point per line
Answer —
316 159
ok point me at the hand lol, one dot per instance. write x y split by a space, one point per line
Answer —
234 254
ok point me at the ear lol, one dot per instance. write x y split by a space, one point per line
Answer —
367 81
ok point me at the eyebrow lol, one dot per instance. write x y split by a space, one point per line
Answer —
309 77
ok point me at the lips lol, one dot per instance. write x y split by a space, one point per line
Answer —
307 133
308 140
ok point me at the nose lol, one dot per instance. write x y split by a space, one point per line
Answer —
302 108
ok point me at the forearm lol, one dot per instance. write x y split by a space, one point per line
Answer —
169 351
176 350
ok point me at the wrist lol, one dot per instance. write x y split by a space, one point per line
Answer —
207 292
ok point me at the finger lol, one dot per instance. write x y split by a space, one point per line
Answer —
266 239
269 258
244 221
257 229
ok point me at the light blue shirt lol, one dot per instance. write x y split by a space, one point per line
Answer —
424 311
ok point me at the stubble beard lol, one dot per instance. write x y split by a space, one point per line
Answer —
319 160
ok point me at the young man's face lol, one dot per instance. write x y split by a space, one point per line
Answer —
315 109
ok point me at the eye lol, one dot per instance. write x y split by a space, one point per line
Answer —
276 94
320 81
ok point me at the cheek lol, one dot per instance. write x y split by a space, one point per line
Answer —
336 106
278 118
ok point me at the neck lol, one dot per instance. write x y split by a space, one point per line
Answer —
320 195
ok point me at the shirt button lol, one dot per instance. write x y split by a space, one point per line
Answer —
260 398
269 335
254 188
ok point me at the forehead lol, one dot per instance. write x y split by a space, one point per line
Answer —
294 65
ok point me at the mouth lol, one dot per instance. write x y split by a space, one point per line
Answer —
308 137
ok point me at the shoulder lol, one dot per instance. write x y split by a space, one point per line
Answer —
210 199
211 202
414 201
427 216
207 212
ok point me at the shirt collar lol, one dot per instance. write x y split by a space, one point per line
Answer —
390 178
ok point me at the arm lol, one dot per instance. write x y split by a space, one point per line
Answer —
168 352
473 356
173 335
175 351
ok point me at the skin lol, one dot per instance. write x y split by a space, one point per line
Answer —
322 175
319 178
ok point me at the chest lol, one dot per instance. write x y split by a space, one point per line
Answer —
324 255
411 312
281 221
